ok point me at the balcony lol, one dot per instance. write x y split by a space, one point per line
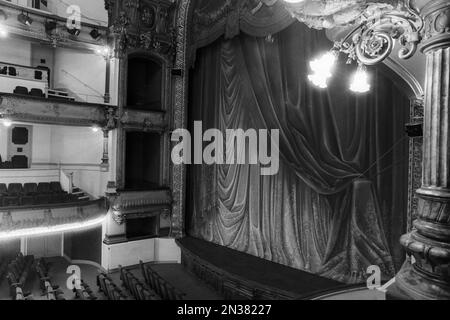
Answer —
45 219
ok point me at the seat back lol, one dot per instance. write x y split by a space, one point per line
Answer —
30 188
44 188
19 162
55 187
36 92
15 189
12 71
21 90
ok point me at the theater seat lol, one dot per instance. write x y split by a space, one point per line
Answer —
19 162
27 201
15 189
37 93
44 188
21 90
43 199
11 201
57 198
55 187
3 189
12 71
6 165
30 189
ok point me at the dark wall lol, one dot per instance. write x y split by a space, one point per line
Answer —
84 245
144 84
9 249
143 160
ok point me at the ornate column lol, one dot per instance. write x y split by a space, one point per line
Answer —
427 276
105 157
107 97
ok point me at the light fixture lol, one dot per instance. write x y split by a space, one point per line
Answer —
360 81
74 31
104 51
323 69
50 26
95 34
3 31
6 122
377 27
25 19
95 129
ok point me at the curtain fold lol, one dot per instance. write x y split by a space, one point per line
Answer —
327 209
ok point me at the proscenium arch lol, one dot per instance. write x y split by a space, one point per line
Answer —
409 85
179 116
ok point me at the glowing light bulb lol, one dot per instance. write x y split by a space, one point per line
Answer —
103 51
322 69
7 123
95 129
360 81
3 32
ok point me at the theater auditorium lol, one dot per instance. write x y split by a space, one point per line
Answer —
224 150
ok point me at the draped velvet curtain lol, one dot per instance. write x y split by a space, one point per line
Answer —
338 203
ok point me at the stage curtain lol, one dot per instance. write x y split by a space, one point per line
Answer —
338 203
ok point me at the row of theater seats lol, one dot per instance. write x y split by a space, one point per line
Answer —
29 194
52 94
109 288
159 285
139 290
83 291
50 291
18 271
3 268
34 92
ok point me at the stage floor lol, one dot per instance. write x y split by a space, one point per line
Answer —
263 272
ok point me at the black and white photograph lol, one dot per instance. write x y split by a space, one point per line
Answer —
223 155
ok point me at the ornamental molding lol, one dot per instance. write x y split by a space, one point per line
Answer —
130 205
142 24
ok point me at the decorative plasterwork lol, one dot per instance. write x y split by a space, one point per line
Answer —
144 120
415 162
46 111
127 205
437 25
180 88
142 24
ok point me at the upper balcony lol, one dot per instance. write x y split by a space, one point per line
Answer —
48 21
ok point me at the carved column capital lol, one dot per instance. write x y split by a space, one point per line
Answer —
436 15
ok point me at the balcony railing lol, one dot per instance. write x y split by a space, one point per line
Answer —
14 76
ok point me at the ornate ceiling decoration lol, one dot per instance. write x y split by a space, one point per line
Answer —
376 26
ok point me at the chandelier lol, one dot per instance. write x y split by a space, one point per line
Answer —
375 28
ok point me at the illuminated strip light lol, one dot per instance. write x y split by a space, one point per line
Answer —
41 231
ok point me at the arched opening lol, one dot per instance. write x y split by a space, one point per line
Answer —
335 229
144 85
